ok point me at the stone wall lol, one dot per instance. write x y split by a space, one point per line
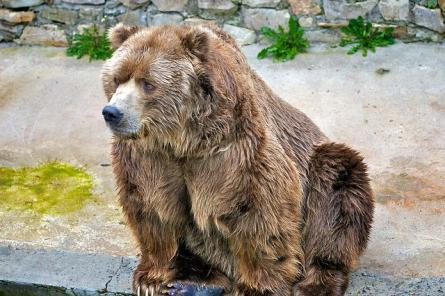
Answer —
49 22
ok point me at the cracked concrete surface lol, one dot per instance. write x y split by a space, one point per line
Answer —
64 271
50 109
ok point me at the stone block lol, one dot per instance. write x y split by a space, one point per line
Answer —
133 4
46 35
429 18
133 18
256 18
341 9
242 35
217 6
261 3
87 2
304 7
170 5
15 17
164 18
21 3
394 9
60 15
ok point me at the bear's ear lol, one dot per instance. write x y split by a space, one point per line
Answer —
196 41
119 33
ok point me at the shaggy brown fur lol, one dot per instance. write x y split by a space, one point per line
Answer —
225 183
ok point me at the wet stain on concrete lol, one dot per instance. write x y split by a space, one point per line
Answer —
10 87
53 188
404 186
412 182
438 106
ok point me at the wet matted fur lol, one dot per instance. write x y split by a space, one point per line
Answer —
221 181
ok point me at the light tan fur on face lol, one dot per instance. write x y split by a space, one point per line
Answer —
225 183
126 99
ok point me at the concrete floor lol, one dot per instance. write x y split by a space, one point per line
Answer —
50 108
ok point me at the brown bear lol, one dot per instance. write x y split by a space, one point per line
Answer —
222 182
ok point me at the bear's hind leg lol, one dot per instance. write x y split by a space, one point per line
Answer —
338 211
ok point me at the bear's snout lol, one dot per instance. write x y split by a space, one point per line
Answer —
112 115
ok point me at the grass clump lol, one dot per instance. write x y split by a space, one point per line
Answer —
90 42
286 45
364 37
431 4
53 188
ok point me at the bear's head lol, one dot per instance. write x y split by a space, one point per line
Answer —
174 83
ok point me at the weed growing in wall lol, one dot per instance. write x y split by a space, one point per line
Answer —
364 37
286 44
91 42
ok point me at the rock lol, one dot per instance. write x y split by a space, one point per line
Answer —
81 28
61 15
261 3
217 6
234 20
429 18
21 3
382 71
6 36
340 9
199 21
400 32
13 30
335 25
90 13
15 17
91 2
306 21
242 35
255 18
3 37
170 5
420 34
323 36
133 18
304 7
112 3
375 16
114 8
9 32
165 18
394 9
441 4
46 35
134 3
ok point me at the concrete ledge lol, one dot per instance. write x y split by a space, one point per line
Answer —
53 272
363 283
31 272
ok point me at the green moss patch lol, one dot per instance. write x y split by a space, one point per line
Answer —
53 188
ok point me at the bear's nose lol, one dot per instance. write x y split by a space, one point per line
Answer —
112 115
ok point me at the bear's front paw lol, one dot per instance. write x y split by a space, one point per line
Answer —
143 285
156 290
150 290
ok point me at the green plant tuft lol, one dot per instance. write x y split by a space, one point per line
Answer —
90 42
286 45
431 4
363 36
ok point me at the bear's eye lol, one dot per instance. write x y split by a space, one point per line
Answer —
147 86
